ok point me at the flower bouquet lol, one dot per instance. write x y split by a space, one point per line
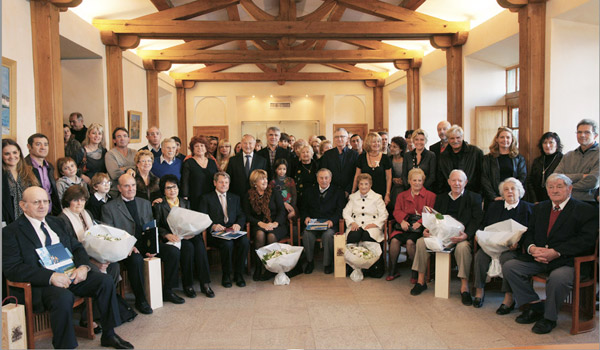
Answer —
279 258
496 239
107 244
361 256
441 227
185 222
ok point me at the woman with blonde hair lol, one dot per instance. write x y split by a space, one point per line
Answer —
223 154
305 170
146 182
16 177
502 162
266 214
421 158
94 151
324 147
373 162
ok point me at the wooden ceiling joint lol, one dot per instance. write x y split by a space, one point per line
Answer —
287 76
189 10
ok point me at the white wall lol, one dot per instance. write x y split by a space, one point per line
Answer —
397 111
16 19
433 103
83 90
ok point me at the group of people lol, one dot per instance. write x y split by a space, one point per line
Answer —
363 183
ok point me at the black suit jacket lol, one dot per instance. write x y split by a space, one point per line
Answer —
329 208
211 205
573 234
8 211
470 213
470 161
20 262
239 181
161 212
436 148
56 207
279 153
490 175
342 177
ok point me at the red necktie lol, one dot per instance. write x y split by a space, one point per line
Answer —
553 216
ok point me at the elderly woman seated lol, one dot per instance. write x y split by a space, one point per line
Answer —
365 215
510 207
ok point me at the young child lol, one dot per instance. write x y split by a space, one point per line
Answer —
67 169
286 186
100 185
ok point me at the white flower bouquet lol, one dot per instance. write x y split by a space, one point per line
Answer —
279 258
185 222
496 239
107 244
441 227
361 256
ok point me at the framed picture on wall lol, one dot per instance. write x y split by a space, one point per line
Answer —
134 122
9 98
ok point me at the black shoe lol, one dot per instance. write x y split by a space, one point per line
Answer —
295 271
172 297
529 316
466 298
115 342
543 326
256 275
226 281
97 329
189 292
505 310
418 289
310 266
328 269
478 302
239 281
348 270
205 288
266 275
143 307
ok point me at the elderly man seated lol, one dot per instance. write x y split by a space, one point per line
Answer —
464 206
559 230
55 291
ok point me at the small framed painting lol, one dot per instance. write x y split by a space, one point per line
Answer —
9 98
134 122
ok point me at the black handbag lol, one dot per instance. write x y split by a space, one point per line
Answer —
411 219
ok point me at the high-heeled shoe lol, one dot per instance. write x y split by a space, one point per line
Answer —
504 310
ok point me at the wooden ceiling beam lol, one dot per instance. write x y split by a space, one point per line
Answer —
279 76
234 15
388 11
346 67
189 10
162 5
411 4
252 30
213 68
198 45
278 56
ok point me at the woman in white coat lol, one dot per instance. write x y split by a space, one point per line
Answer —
365 216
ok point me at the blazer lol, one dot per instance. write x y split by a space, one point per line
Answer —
342 176
161 212
94 206
470 161
116 214
239 181
436 148
56 207
329 208
520 214
279 153
370 210
20 262
573 234
470 213
536 178
490 175
211 205
428 165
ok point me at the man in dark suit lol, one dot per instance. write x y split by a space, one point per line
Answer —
131 213
54 291
324 202
273 152
153 136
559 230
44 170
341 161
464 206
233 252
460 155
441 145
242 164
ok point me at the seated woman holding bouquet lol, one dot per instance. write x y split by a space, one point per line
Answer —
365 216
409 225
511 207
267 216
193 252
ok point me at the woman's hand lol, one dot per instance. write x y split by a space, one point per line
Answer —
514 246
370 226
172 238
387 199
156 201
405 225
354 226
416 225
86 179
498 198
426 233
397 181
288 207
131 172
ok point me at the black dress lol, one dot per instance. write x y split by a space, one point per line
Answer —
278 214
541 168
196 180
90 166
377 173
305 176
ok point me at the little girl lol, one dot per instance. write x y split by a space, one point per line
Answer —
67 169
101 186
286 186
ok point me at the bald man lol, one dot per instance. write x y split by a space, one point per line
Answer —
54 291
441 145
153 136
242 164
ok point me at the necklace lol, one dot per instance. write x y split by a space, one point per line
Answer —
370 161
309 170
546 168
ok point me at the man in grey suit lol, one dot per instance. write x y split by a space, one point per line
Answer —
130 213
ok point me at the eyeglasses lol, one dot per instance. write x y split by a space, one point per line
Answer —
104 183
40 201
168 188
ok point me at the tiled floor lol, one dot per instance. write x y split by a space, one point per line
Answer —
323 312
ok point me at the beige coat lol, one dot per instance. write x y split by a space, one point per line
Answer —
370 210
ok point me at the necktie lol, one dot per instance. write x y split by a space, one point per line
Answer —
85 226
224 205
553 216
48 241
247 164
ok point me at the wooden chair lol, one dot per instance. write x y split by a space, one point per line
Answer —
582 300
38 325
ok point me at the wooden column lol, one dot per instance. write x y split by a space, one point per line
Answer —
152 92
410 125
47 75
377 86
413 95
181 112
114 84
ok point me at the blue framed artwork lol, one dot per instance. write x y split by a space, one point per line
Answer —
9 98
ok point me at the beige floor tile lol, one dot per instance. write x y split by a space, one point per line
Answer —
345 336
418 335
300 337
218 339
336 316
280 317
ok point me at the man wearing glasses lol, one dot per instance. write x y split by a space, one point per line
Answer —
341 161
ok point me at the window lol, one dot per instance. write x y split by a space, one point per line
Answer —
513 120
512 79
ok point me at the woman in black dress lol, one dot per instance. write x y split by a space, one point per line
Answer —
146 182
305 172
266 214
197 172
420 158
544 165
373 162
